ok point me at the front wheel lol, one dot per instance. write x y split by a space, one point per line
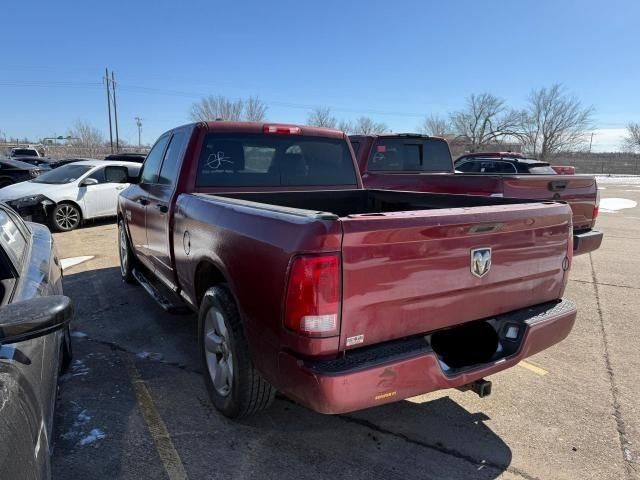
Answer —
65 217
126 256
235 386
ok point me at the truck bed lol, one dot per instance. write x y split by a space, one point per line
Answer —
393 246
344 203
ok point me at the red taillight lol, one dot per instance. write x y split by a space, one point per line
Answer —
313 296
596 209
282 129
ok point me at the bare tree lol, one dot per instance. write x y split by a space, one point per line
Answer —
486 119
631 141
321 117
435 125
554 121
345 126
84 135
368 126
217 108
255 110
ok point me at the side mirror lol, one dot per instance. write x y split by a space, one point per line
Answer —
34 318
116 174
89 181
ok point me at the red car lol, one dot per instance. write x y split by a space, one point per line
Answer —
422 163
340 297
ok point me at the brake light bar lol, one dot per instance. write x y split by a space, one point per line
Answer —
282 129
312 306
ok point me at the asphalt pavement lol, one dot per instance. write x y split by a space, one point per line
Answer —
134 405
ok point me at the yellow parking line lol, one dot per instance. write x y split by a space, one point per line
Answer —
157 428
533 368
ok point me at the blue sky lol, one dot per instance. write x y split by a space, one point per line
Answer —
394 61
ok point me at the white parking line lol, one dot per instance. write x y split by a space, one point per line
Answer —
72 261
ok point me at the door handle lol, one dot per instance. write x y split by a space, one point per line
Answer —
163 208
143 201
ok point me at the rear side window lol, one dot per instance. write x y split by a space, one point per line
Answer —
151 165
356 147
169 168
410 155
255 160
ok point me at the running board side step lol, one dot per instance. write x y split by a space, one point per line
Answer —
162 300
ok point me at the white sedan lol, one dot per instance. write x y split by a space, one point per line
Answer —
67 195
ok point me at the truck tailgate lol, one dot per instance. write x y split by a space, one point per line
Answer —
406 273
578 190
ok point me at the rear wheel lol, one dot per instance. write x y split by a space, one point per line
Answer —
4 182
65 217
235 386
126 256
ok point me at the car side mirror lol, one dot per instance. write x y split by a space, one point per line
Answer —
34 318
89 181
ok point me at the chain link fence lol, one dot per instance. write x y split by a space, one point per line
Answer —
600 163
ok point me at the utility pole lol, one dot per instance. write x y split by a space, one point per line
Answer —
139 124
115 109
590 142
106 79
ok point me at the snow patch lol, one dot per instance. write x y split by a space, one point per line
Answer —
150 355
612 205
72 261
94 435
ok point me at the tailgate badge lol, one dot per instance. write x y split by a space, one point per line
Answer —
355 340
480 261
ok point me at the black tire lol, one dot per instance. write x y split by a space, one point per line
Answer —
5 182
65 217
248 392
127 260
66 351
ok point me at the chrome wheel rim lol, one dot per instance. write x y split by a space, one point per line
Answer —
123 252
67 217
217 351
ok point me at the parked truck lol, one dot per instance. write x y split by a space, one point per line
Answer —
422 163
338 296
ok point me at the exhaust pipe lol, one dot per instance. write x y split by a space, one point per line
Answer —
481 387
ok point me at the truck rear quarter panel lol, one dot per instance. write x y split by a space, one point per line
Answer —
252 249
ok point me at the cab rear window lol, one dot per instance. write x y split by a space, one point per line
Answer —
254 160
410 155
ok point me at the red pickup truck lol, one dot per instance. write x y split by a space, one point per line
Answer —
341 298
423 164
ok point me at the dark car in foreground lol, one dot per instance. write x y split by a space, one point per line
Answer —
14 171
35 345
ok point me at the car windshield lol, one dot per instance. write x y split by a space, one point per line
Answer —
64 174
